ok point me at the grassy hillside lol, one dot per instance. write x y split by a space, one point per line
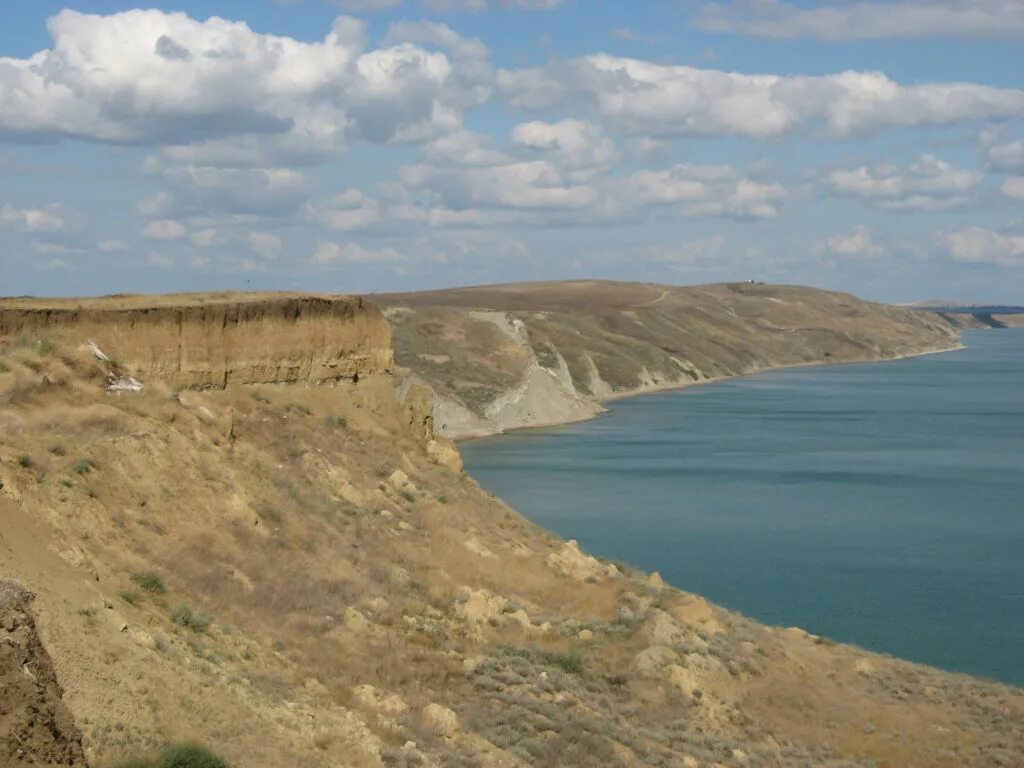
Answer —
511 356
298 573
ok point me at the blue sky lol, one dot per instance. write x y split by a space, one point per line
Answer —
874 146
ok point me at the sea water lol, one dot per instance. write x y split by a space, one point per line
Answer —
880 504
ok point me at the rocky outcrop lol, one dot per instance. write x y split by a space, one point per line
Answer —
198 342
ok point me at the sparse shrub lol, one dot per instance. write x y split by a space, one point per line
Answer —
259 397
130 597
67 483
83 466
44 347
570 663
25 461
334 422
149 581
177 756
3 367
186 617
58 450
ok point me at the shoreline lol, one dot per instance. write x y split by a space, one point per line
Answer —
678 387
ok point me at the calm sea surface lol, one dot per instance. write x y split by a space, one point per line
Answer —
879 504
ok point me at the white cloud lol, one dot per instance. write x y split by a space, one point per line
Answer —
858 244
349 211
111 246
526 184
865 19
52 218
642 97
1014 187
572 144
1006 157
266 244
221 91
705 190
156 205
979 245
159 261
164 229
690 254
262 191
328 253
55 249
929 184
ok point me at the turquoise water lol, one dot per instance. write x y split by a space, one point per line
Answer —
879 504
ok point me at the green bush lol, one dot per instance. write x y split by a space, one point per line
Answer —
132 598
177 756
3 367
25 461
150 581
83 466
189 619
190 756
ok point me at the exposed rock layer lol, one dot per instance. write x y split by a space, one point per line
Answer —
210 342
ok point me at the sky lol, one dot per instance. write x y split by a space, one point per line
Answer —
870 146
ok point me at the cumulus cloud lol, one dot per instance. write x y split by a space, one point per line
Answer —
266 244
263 191
48 219
111 246
1006 157
572 144
866 19
349 211
1014 187
522 184
217 93
705 190
145 76
929 184
858 244
164 229
328 253
979 245
643 97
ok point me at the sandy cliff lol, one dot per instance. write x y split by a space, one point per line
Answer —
512 356
210 341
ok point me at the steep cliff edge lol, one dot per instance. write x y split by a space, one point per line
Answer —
511 356
36 727
298 574
210 341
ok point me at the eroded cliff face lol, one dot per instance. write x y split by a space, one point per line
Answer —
36 727
201 342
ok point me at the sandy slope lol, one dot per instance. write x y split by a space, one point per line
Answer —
297 573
